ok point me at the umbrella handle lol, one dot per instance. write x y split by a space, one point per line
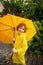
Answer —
13 39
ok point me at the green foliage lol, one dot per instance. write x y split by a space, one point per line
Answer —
12 7
32 10
39 9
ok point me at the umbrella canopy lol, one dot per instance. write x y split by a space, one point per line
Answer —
8 24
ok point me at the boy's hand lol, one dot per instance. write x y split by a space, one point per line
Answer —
13 39
14 50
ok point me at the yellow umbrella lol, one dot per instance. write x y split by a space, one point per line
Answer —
9 22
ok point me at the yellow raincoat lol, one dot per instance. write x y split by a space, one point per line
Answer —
21 46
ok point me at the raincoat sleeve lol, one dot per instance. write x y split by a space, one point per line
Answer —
24 46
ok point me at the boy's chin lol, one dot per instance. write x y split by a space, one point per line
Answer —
20 32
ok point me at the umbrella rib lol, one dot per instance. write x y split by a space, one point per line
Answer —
4 30
12 21
6 25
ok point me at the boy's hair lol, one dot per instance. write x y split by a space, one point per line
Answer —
20 25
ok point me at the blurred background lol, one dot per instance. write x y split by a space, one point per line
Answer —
31 9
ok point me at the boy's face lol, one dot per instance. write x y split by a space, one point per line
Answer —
21 29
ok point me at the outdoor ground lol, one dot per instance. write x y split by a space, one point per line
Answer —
6 49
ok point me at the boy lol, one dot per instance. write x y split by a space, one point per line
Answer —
20 46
